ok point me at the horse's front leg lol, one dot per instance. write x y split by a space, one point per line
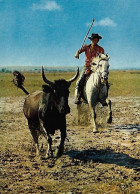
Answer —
109 118
79 112
93 122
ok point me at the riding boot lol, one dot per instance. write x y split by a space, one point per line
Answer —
79 88
77 96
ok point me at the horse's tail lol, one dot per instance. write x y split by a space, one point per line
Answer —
19 81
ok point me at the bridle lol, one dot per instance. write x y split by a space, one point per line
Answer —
99 73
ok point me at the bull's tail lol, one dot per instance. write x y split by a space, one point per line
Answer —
19 80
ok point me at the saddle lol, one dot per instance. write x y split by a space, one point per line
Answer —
87 75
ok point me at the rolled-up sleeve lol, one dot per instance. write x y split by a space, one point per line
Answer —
83 49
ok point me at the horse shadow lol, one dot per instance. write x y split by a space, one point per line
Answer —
107 156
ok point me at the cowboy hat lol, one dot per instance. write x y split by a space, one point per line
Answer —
93 36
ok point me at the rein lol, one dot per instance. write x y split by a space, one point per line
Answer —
100 73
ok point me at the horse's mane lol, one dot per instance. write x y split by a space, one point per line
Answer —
99 57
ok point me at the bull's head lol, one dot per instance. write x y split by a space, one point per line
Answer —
61 91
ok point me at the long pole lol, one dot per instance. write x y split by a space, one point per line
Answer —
87 33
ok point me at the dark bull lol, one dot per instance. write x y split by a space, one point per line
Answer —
46 110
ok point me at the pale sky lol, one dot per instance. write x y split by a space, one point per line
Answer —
48 33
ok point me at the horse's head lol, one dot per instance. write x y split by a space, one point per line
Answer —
100 65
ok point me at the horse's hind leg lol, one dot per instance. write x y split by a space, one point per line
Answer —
79 112
109 119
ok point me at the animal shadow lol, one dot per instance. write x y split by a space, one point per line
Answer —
107 156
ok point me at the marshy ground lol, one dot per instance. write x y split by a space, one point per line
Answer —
105 162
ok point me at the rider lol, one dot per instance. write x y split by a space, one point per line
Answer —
91 52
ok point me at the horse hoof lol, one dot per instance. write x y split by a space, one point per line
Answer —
95 132
109 120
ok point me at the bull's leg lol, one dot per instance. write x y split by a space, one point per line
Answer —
49 139
33 129
61 146
50 151
109 119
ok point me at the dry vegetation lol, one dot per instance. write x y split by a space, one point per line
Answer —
106 162
124 83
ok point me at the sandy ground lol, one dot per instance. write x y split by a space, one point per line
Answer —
105 162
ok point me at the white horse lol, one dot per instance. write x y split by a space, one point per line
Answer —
96 89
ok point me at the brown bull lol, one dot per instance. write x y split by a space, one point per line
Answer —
46 110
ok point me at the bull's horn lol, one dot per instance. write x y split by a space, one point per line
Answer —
45 79
75 77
